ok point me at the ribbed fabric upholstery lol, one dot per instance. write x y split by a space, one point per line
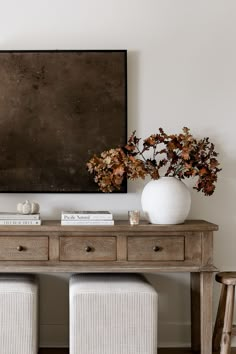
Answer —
18 314
112 314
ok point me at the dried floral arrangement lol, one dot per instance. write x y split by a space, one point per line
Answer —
182 155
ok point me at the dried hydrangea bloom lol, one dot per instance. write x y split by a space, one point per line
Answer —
182 155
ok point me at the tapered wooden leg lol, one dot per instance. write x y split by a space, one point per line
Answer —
195 311
228 319
218 329
206 287
201 312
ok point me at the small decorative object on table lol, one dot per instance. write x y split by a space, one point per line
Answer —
28 208
133 217
164 200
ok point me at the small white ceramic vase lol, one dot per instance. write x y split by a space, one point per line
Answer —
166 201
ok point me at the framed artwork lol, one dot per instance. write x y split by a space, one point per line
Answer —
57 109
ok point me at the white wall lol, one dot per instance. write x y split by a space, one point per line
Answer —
181 72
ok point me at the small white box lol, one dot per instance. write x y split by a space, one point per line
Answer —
18 314
112 314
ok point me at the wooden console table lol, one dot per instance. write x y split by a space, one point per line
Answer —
143 248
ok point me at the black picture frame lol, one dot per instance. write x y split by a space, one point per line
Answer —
57 109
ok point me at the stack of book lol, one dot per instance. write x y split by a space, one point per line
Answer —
8 218
86 218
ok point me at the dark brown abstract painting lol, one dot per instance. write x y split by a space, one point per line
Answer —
58 108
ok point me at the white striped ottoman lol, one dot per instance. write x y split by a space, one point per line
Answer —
18 314
112 314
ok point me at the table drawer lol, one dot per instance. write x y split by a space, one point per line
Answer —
20 248
149 248
89 248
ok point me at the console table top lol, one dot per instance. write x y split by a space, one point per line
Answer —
120 225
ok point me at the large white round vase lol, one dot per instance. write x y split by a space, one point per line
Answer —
166 201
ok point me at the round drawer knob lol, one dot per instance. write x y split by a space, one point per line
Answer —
88 249
19 248
156 248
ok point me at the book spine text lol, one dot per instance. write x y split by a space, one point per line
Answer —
74 217
20 222
19 216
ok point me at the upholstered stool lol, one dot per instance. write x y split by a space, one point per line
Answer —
224 328
18 314
112 314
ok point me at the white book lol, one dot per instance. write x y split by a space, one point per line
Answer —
87 222
18 216
86 215
20 222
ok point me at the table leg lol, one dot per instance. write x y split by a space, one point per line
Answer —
195 311
201 312
206 287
